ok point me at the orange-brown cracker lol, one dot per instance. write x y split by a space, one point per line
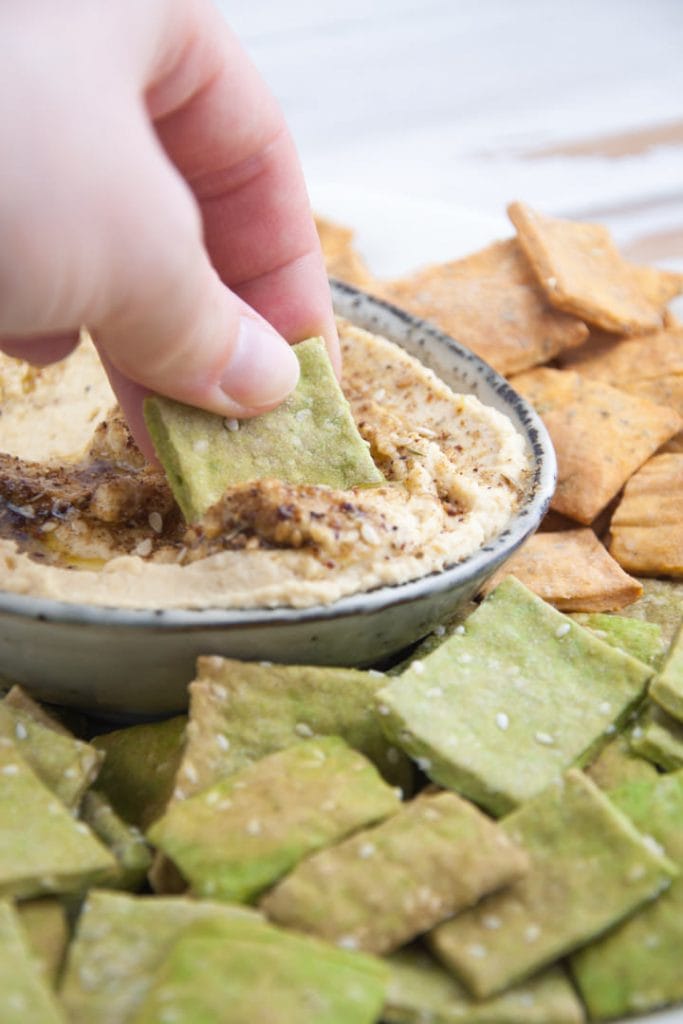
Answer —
572 571
601 435
491 303
581 272
647 526
341 257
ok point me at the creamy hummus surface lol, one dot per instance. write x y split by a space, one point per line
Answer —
84 519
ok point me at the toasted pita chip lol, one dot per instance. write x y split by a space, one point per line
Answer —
647 526
581 272
649 365
572 570
601 436
341 257
659 286
490 302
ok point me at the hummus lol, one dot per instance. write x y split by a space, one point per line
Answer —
84 519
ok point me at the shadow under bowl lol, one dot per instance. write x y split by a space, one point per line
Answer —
131 664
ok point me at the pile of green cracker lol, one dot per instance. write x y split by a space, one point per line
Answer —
491 833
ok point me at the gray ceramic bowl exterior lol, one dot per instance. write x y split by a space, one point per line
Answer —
119 662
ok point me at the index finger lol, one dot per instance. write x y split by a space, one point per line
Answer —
227 136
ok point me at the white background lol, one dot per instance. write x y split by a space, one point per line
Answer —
475 104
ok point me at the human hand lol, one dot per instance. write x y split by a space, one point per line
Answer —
149 188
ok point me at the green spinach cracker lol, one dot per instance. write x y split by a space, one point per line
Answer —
310 438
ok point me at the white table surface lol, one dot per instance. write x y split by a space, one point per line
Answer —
577 108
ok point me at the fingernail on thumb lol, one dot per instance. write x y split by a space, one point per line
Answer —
263 369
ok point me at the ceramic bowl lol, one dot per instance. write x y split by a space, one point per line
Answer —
123 663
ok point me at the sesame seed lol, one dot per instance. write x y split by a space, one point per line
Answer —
10 769
82 828
53 807
652 941
190 772
531 932
459 629
431 814
477 950
20 731
366 850
383 709
379 394
71 773
49 526
491 921
653 845
635 873
302 729
465 658
435 691
423 763
375 672
266 664
544 738
212 797
418 666
348 942
253 827
551 282
398 792
610 730
393 755
562 630
200 446
604 707
220 691
222 741
144 548
231 424
156 521
439 631
502 720
179 793
637 732
369 534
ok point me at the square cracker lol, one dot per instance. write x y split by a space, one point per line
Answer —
647 525
649 365
394 881
637 966
311 438
510 700
422 991
581 272
590 868
491 303
667 686
601 436
572 570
